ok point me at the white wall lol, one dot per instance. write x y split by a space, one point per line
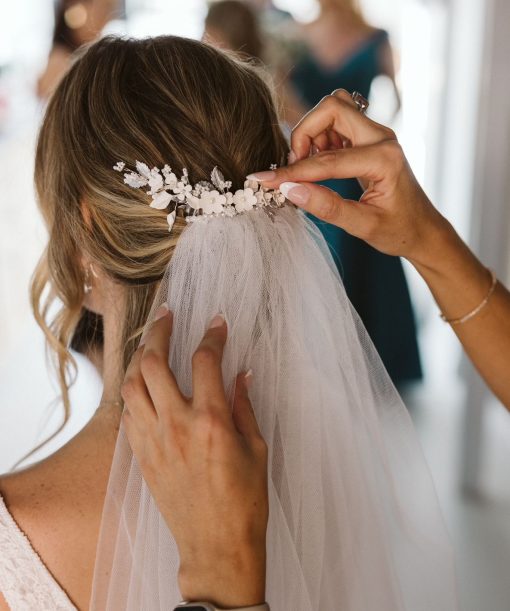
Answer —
490 197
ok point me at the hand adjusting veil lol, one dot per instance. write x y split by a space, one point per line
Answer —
354 519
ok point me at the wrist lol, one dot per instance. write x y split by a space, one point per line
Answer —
458 281
237 579
207 606
436 242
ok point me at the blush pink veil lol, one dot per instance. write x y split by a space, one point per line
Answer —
354 523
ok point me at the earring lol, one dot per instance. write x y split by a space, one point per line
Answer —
89 272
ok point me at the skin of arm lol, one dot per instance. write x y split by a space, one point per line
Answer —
396 217
459 283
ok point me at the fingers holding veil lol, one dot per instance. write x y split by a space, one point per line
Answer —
160 380
242 413
208 389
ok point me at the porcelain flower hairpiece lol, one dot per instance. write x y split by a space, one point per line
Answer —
202 200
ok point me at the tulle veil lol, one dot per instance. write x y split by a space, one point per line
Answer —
354 523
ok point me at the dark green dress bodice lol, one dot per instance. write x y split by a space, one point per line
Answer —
375 283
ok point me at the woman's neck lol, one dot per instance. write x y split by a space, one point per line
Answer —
112 357
338 17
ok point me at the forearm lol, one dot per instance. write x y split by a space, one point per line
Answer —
459 283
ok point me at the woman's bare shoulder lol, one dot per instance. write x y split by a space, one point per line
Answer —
74 476
50 505
58 503
61 525
57 491
33 489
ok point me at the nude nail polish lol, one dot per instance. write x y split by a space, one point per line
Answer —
296 193
248 378
161 311
216 322
262 176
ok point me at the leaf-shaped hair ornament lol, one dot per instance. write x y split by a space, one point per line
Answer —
202 200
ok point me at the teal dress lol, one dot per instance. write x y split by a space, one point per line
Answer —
375 283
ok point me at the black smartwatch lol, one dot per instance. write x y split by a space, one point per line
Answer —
203 606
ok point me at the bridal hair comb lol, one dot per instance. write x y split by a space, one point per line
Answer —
202 200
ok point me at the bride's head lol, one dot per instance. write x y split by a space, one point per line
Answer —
163 100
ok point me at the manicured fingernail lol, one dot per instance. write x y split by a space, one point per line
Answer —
161 311
248 378
315 149
262 176
216 322
296 193
292 158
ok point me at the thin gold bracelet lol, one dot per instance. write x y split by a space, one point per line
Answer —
473 313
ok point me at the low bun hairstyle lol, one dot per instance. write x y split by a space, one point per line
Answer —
159 100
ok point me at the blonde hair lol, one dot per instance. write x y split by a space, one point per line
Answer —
160 100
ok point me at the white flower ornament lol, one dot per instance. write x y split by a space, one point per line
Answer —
213 202
161 200
245 199
203 200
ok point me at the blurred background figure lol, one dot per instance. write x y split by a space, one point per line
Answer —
77 22
340 49
272 16
258 30
234 25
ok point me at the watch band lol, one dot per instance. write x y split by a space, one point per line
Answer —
205 606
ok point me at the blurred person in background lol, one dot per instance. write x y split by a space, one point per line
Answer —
340 46
341 50
233 25
77 22
258 31
270 15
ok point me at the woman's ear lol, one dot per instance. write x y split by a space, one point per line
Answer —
92 281
92 287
